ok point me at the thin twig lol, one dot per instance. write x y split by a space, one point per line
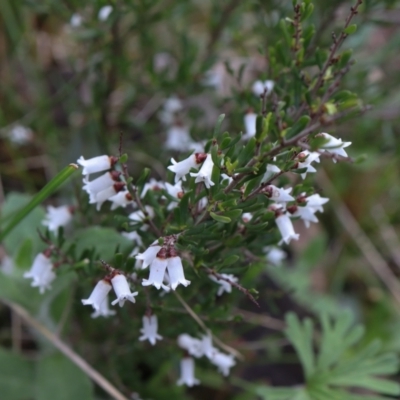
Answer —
234 284
262 320
371 254
204 327
67 351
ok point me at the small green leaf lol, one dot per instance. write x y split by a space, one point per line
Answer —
123 159
350 29
230 260
220 218
218 125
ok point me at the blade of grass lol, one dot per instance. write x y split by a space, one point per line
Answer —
47 191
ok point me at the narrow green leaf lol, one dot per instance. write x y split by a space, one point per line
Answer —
350 29
220 218
47 191
218 125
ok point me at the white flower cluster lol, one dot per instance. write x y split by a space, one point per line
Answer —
57 217
182 168
107 186
199 348
166 269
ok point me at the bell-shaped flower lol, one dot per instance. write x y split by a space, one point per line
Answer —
207 347
175 272
122 290
224 362
157 270
57 217
307 214
101 183
106 194
105 12
278 195
175 191
250 125
225 286
226 177
204 175
7 265
76 20
334 145
134 237
305 158
104 310
20 135
139 216
121 199
149 255
98 295
149 330
96 164
270 172
316 202
182 168
153 185
286 229
247 217
41 273
260 87
187 373
192 345
178 138
275 255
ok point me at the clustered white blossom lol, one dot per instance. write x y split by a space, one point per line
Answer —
199 348
41 272
57 217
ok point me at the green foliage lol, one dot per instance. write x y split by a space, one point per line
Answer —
339 365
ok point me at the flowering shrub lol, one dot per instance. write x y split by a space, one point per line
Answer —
182 251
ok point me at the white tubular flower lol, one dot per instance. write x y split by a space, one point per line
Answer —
270 172
307 214
138 216
207 347
96 164
104 310
152 185
334 145
204 175
246 217
175 272
56 217
157 271
101 183
175 191
316 202
180 169
192 345
224 362
178 138
149 330
260 87
98 295
121 199
286 229
76 20
278 195
106 194
187 373
104 12
250 125
41 273
149 255
224 285
122 290
305 159
134 237
275 255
